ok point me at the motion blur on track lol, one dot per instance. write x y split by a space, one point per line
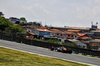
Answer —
61 49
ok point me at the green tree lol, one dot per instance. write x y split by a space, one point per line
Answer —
56 41
35 23
22 19
10 29
29 22
71 44
4 23
38 24
1 14
18 31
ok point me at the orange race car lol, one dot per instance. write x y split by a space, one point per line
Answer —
61 49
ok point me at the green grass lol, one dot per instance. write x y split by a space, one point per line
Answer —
10 57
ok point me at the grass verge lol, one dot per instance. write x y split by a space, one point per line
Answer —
10 57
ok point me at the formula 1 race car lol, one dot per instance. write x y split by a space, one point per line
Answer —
61 49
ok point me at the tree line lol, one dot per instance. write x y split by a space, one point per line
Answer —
9 28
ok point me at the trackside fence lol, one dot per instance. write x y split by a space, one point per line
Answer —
47 45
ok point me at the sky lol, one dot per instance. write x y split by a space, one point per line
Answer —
60 13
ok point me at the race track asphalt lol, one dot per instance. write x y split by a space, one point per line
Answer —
47 52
